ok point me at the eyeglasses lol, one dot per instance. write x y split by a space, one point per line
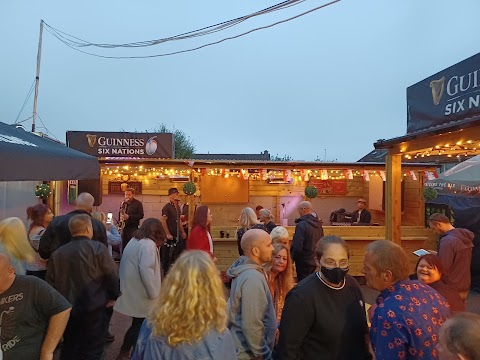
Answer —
330 263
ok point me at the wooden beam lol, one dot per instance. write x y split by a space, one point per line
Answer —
393 201
431 141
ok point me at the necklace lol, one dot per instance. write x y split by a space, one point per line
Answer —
319 275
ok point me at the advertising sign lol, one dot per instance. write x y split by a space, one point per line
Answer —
330 187
448 96
122 144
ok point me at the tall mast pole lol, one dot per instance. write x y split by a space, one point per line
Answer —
37 78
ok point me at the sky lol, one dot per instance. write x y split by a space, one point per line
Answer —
325 86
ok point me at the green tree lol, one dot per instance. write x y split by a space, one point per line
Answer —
184 146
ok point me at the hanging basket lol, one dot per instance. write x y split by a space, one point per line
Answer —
43 191
429 194
189 188
311 192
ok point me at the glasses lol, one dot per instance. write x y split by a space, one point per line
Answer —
330 263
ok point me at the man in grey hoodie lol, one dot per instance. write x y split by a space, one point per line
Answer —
250 306
455 252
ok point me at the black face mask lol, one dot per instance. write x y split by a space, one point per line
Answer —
335 275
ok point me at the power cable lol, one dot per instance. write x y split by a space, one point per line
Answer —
195 33
26 100
48 131
198 47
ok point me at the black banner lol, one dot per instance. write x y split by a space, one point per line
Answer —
450 95
122 144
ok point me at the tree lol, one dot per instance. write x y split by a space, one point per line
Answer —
184 146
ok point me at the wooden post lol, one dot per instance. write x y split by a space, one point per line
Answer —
393 201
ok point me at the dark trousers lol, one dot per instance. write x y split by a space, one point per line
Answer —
108 317
303 271
127 234
131 336
84 336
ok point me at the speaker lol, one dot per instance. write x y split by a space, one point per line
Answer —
93 187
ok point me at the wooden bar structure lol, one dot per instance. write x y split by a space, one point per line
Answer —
449 141
155 177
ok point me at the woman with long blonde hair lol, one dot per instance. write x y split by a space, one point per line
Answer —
15 244
280 276
189 319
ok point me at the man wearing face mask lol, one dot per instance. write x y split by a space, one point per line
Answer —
325 313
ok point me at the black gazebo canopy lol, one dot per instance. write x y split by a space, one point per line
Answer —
25 156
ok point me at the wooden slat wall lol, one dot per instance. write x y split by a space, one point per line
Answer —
357 237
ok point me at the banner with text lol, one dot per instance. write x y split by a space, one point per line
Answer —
122 144
450 95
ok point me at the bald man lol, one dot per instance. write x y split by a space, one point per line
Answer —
251 314
58 234
33 315
307 233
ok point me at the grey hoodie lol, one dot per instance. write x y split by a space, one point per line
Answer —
250 308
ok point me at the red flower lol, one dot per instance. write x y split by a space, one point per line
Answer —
426 343
409 322
387 325
391 314
418 332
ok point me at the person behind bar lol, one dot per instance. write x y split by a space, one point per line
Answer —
361 216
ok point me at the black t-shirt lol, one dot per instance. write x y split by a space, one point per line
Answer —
172 213
25 310
320 322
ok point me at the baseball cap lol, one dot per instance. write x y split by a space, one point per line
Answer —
172 191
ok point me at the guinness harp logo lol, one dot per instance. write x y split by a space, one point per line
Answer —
437 89
92 139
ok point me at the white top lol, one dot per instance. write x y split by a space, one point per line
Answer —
210 242
140 278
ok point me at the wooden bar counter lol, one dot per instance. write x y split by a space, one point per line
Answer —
357 238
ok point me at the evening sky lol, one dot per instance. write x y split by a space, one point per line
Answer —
334 79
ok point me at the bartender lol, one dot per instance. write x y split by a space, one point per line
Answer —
361 216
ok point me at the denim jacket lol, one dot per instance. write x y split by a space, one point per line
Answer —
213 346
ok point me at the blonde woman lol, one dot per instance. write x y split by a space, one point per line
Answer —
266 218
280 235
248 220
188 321
280 276
15 244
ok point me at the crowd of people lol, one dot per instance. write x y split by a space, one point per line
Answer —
59 284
